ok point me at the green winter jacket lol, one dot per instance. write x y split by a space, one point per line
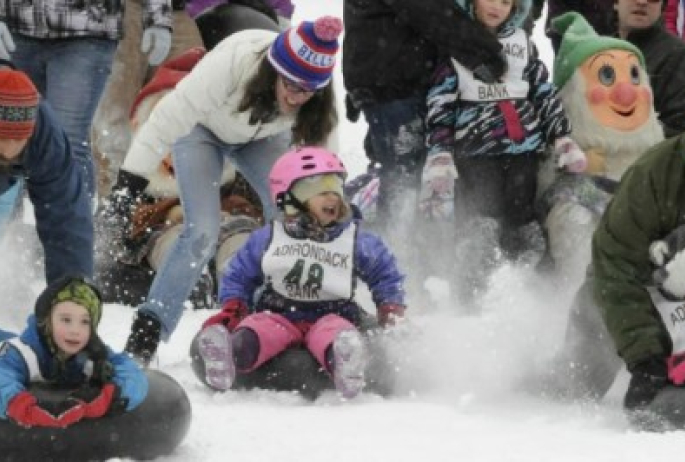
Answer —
648 205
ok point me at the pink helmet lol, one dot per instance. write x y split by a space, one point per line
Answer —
301 163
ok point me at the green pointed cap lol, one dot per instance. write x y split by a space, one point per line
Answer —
579 42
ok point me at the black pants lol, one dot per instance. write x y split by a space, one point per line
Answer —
499 187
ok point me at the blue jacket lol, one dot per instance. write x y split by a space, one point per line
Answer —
60 200
373 264
14 373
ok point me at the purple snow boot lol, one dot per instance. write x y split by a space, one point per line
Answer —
216 351
349 363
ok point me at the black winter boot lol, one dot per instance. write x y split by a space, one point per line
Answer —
142 344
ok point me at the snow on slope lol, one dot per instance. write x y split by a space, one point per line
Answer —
458 398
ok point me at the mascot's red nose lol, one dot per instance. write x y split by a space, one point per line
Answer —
624 94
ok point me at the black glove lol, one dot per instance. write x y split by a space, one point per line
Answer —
649 377
128 188
491 71
113 220
351 110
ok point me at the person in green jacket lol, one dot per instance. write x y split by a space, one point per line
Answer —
616 316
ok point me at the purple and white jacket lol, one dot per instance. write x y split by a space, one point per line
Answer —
304 279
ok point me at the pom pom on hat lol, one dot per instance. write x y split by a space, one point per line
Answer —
18 105
328 28
306 53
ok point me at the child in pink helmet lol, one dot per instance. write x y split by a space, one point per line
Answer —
306 264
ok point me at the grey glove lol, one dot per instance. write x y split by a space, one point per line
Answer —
157 41
668 255
6 43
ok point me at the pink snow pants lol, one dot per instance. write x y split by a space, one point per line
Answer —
276 334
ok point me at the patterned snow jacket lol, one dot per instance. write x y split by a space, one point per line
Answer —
304 275
60 19
16 375
466 117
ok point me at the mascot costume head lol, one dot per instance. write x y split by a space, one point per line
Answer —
606 93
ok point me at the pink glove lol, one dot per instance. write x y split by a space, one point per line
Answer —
676 368
571 157
436 198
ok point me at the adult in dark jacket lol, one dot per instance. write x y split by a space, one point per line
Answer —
391 49
625 312
599 13
639 22
648 206
35 151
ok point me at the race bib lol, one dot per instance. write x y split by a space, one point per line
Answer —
310 271
513 86
673 315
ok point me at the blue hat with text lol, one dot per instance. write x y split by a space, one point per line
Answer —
306 54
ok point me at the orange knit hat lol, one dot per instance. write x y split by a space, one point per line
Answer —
18 105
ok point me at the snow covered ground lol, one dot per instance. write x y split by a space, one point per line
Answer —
459 397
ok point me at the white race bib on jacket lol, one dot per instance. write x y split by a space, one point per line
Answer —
514 85
673 315
309 271
30 358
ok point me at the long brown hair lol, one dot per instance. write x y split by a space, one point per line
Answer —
315 119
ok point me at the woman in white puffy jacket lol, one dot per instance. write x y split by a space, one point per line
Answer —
245 102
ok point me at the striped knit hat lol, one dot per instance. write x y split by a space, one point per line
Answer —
18 105
306 54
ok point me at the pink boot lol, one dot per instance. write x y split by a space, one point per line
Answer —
349 363
217 353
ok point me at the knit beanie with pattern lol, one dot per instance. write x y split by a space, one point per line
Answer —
18 105
306 54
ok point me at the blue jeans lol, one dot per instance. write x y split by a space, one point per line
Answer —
6 335
396 141
198 161
10 204
71 75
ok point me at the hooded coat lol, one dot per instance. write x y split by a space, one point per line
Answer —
479 128
15 372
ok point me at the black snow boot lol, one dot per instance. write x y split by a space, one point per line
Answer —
142 344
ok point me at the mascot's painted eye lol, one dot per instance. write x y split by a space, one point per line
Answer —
635 74
606 75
